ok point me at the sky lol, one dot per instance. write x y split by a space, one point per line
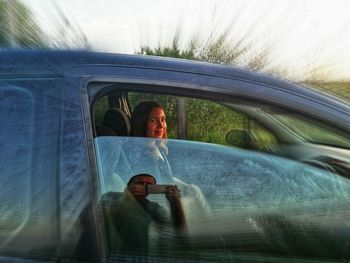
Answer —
298 32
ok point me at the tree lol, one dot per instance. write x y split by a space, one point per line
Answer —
206 115
222 48
19 29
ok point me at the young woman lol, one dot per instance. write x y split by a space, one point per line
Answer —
150 155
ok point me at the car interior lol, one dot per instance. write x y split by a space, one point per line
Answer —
248 126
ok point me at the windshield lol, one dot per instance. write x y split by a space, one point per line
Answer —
286 124
311 131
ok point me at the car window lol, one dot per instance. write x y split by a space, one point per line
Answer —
311 132
100 108
234 195
17 112
170 104
29 135
235 201
205 120
209 121
42 170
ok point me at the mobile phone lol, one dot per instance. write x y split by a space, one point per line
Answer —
156 188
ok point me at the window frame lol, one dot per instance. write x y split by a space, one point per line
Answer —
215 95
103 85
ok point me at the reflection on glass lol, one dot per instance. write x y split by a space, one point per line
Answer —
238 201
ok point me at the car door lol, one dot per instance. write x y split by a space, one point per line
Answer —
45 180
30 137
240 204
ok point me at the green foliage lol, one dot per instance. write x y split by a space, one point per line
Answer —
173 51
100 108
209 121
219 50
19 29
206 121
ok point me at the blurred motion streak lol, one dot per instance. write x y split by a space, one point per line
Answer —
20 29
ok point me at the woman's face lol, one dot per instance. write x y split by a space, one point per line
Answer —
156 125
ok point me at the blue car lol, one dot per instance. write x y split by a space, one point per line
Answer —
262 165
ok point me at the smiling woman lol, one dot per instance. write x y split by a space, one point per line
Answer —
156 126
148 120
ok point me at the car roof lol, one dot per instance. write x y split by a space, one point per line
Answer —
61 60
66 62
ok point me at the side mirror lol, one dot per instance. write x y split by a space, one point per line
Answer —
242 139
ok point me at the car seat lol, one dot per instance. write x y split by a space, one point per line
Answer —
115 122
112 161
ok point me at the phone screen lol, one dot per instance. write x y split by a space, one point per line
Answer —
157 188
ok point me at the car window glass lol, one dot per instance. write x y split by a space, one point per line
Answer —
263 137
170 104
100 108
211 122
204 120
30 115
235 196
312 132
17 110
232 196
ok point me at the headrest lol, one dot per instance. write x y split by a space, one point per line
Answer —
118 121
105 131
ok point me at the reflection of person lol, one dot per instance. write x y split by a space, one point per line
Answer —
129 216
136 190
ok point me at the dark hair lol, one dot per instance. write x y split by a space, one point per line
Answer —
140 115
132 179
